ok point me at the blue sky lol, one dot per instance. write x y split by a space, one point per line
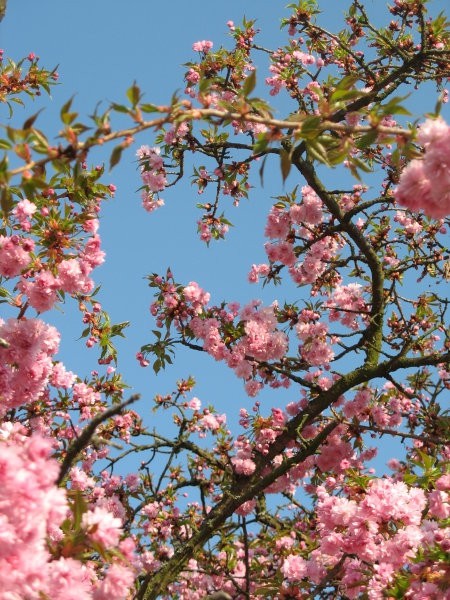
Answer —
101 47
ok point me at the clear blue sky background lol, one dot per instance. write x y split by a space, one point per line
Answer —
101 47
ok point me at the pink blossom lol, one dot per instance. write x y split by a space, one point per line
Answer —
26 364
246 508
92 255
282 252
14 255
277 223
150 203
31 504
80 480
91 225
202 46
394 500
443 483
410 225
194 294
253 388
176 133
294 568
357 406
73 278
102 527
42 291
155 182
439 504
116 583
414 189
242 462
316 349
425 183
310 211
60 377
194 404
258 271
432 131
69 579
23 210
243 466
192 76
212 422
348 306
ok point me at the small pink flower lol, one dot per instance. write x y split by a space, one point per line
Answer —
194 404
202 46
102 527
294 568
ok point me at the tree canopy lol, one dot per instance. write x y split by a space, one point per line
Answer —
273 498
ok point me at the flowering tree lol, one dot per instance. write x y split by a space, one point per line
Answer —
285 506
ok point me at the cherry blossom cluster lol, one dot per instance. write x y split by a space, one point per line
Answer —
316 344
41 282
153 176
425 182
35 518
286 227
242 337
288 65
372 536
348 306
25 360
360 359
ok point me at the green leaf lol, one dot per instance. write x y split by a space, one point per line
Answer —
393 107
29 122
118 328
40 138
149 108
347 82
400 110
115 157
6 201
66 107
285 163
5 145
120 108
261 171
11 133
345 95
79 507
67 117
310 127
367 139
318 151
204 85
360 164
249 83
134 94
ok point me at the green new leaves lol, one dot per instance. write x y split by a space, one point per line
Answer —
162 349
249 84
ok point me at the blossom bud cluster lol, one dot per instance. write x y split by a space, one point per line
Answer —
287 66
